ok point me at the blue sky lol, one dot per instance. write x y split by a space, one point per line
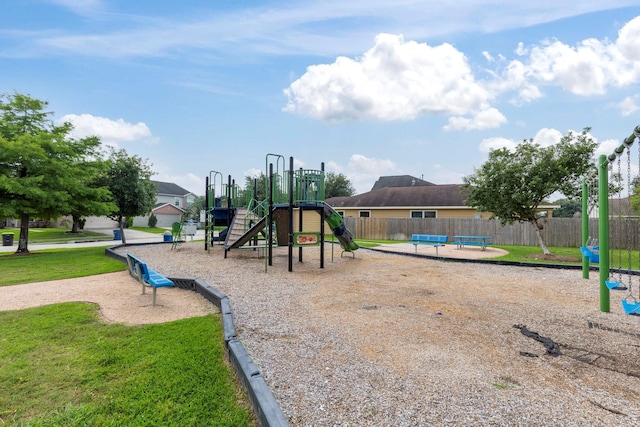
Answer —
370 88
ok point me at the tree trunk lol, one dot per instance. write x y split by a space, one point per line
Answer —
76 221
120 224
24 235
539 228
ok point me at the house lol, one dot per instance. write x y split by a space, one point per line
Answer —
171 202
409 197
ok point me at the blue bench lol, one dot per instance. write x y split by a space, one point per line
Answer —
482 241
429 240
147 276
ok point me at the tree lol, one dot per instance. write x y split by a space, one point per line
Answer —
38 163
512 184
261 187
568 208
129 180
88 195
337 185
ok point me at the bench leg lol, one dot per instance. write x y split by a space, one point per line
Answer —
154 296
436 251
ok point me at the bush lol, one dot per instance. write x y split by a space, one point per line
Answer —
153 221
129 222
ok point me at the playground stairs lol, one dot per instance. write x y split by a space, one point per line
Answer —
244 227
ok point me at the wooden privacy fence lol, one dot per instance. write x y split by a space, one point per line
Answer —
563 232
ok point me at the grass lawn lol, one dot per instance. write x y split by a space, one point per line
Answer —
54 264
55 235
154 230
60 365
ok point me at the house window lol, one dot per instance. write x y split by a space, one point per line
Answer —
365 214
341 213
423 214
176 201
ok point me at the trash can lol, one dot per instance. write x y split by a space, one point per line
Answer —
117 235
167 236
7 239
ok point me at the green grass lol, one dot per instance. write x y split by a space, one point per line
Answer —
60 365
154 230
56 235
527 253
54 264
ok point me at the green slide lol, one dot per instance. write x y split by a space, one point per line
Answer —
336 223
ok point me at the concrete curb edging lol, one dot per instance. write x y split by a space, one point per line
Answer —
264 404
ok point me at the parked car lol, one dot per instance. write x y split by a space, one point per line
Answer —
192 222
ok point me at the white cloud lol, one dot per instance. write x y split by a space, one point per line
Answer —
547 137
252 173
589 68
496 143
629 105
363 171
485 119
111 132
607 147
394 80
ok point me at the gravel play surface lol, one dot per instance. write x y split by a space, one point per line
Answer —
390 340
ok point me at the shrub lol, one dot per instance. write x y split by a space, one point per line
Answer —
153 220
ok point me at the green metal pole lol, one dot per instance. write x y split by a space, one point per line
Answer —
585 227
603 230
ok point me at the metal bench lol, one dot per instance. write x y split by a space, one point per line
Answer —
429 240
482 241
147 276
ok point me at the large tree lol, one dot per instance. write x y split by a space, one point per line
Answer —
89 197
337 185
39 163
512 184
129 180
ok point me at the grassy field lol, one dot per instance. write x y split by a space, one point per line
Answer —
54 264
61 365
56 235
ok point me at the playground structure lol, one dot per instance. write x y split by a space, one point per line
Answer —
610 179
260 223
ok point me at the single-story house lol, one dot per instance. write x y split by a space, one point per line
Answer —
405 196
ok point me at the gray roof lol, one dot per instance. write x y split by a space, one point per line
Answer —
415 196
399 181
170 189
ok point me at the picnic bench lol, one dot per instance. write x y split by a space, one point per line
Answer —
146 276
482 241
428 240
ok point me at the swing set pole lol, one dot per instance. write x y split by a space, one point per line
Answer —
585 227
603 231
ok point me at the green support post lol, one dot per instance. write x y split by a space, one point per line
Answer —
603 230
585 227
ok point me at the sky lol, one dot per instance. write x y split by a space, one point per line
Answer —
369 88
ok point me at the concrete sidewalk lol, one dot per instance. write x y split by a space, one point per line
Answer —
131 236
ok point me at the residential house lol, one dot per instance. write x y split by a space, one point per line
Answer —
405 196
171 202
